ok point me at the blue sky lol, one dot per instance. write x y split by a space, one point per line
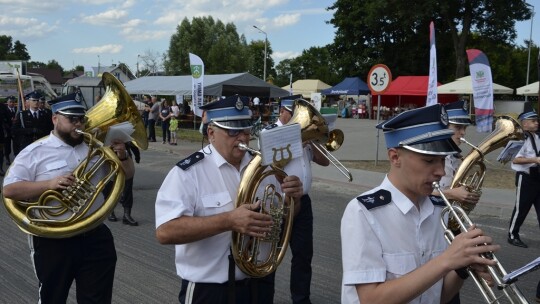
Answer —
85 32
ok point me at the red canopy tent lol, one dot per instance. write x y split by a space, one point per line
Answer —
407 92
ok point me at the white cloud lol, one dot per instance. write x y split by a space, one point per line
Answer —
278 56
19 27
104 49
285 20
106 18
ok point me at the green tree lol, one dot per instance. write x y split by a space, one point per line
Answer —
256 56
10 50
396 32
217 44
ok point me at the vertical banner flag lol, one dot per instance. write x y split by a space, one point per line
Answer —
88 71
482 85
197 75
432 83
290 85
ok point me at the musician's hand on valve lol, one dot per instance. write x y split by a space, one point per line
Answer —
466 248
292 186
483 272
62 182
247 219
461 194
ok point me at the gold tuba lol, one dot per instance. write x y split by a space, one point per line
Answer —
471 174
259 257
81 207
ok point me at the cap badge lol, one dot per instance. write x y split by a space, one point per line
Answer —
239 104
444 116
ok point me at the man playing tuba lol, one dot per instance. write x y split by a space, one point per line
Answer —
88 258
195 210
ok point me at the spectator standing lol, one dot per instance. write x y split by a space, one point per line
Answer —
153 115
173 128
165 114
527 167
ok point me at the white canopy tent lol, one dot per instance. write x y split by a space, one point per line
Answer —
307 86
463 85
214 85
529 90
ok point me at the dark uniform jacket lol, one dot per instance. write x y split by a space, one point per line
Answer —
26 129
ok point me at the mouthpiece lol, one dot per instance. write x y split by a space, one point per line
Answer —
245 147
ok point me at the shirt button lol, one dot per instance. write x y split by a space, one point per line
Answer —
218 203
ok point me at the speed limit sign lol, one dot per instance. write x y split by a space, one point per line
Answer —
379 78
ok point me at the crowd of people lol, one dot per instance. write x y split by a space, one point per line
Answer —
393 246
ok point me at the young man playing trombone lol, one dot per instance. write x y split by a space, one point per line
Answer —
393 245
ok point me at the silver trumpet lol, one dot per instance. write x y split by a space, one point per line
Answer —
509 291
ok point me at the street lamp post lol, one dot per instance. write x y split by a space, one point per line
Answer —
138 56
265 42
530 42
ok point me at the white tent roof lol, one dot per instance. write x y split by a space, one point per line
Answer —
463 85
307 86
214 85
529 90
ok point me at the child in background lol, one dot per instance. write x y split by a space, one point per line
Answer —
173 127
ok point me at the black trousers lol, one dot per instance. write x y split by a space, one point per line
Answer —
204 293
127 195
88 258
527 195
301 246
152 129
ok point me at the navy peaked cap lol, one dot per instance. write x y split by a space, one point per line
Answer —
68 104
423 130
229 113
528 115
457 113
33 95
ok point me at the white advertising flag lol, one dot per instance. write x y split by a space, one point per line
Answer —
197 76
432 84
482 85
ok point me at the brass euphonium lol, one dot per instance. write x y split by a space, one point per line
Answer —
81 207
259 257
471 174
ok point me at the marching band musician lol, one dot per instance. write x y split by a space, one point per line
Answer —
458 121
195 210
301 241
527 167
30 125
88 258
393 245
12 111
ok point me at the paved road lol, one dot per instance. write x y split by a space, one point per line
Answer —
145 270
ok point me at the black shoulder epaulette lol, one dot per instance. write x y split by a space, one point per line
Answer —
189 161
437 200
271 126
376 199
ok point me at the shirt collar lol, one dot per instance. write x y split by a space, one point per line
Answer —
403 203
220 161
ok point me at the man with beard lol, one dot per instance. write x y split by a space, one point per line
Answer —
88 258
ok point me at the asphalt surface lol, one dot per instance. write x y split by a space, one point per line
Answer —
145 270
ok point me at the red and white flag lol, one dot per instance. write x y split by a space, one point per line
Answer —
482 85
431 98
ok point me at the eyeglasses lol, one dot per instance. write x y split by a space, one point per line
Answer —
74 119
235 133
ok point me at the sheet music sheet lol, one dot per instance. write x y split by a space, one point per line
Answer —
510 151
512 276
279 139
121 131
